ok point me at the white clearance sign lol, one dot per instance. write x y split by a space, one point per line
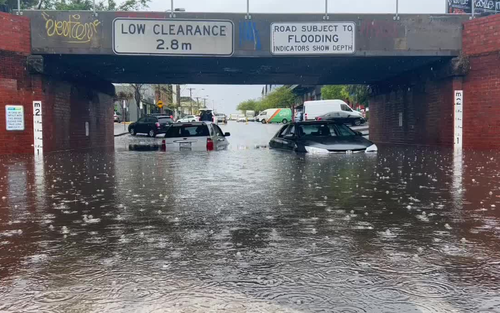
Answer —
459 116
172 37
313 38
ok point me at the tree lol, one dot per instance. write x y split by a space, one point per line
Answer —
353 93
103 5
249 105
331 92
138 97
359 94
281 97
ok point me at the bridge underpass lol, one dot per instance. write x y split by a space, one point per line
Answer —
72 57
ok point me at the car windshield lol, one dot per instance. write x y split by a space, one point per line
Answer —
188 131
324 130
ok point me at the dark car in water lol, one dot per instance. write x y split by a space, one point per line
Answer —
321 137
151 125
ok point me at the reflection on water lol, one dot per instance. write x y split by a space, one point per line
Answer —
256 230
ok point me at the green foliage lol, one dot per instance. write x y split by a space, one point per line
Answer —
84 5
249 105
331 92
353 93
359 94
282 97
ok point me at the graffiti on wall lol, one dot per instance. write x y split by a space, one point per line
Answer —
71 29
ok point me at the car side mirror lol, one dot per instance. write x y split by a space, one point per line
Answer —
227 134
359 134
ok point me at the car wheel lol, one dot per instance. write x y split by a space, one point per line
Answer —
152 133
132 131
284 121
263 121
356 122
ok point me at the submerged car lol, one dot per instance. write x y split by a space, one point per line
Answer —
321 137
197 136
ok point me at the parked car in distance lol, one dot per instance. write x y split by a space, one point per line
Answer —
241 118
151 125
250 115
207 115
117 118
275 116
197 136
316 109
321 137
233 117
188 119
343 117
221 118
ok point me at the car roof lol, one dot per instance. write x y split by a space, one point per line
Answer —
191 124
317 122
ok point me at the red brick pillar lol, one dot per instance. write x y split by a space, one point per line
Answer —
481 45
17 87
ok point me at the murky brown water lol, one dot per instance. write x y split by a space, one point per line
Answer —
250 230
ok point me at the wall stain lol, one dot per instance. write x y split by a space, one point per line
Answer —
72 29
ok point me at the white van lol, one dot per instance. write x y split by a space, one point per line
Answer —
332 110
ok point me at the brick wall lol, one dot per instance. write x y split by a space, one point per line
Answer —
481 44
66 106
16 86
426 109
15 34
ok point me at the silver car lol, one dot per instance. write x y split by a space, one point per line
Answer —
197 136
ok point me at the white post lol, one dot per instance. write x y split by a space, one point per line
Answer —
18 7
93 7
473 8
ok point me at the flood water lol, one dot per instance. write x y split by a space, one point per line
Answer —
250 230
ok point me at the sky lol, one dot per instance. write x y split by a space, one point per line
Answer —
226 98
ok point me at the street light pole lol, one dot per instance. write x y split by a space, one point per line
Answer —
191 98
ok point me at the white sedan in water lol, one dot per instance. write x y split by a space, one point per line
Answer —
189 119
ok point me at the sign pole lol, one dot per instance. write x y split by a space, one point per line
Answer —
326 17
473 9
18 7
172 9
248 17
396 18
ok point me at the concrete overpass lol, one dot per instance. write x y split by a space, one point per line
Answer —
63 63
103 46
